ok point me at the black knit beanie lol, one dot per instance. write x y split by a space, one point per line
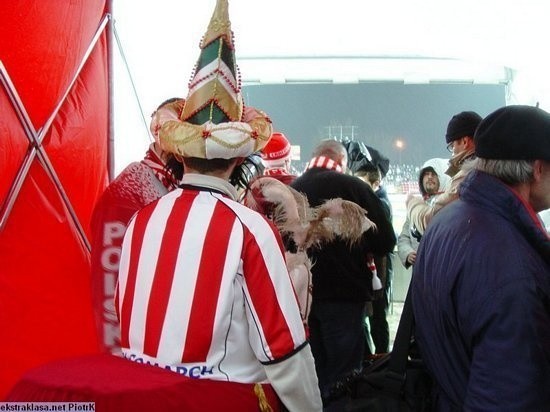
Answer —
462 124
514 133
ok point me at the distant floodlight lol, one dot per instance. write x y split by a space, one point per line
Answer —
399 143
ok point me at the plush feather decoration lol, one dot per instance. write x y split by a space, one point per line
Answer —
288 209
307 227
344 219
299 268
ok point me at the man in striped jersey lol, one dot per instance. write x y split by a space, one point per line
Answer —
203 286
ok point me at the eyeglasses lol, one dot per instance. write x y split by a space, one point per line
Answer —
461 141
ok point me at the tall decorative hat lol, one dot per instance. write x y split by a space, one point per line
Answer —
214 122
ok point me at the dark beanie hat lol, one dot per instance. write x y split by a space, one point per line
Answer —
514 133
381 161
462 124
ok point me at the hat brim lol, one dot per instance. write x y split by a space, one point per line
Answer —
226 140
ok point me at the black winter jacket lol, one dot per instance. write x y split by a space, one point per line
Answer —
340 272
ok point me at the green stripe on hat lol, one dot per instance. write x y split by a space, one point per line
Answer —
210 54
203 115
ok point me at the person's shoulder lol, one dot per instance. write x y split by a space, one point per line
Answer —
128 171
253 221
305 178
328 174
331 181
243 212
286 179
128 185
130 178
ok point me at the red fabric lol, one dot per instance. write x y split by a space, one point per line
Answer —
281 175
117 384
208 285
324 162
159 169
45 303
134 188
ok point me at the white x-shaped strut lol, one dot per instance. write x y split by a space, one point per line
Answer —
36 137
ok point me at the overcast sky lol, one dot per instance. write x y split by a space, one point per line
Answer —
160 41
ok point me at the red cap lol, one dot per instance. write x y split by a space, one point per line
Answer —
277 148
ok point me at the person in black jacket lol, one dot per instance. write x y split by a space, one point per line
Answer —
342 282
371 166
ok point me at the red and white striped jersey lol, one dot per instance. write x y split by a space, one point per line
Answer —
204 290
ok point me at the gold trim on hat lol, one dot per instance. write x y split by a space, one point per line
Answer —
213 91
219 25
189 140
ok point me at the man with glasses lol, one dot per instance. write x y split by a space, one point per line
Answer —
460 142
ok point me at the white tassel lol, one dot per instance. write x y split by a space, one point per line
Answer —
376 282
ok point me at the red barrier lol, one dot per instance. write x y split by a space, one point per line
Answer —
54 100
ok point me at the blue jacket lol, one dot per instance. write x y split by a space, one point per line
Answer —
481 299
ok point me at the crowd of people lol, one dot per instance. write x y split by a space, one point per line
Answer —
216 259
400 178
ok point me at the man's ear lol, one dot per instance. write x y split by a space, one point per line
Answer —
538 167
343 161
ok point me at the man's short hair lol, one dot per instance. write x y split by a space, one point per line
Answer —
207 165
169 101
511 172
331 149
371 175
